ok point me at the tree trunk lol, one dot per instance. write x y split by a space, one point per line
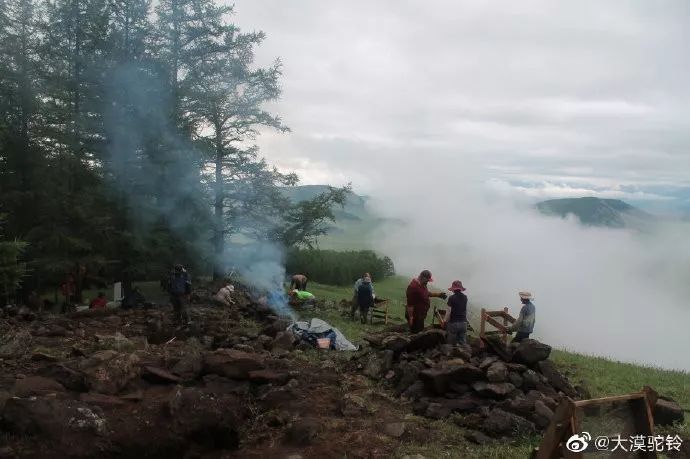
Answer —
218 233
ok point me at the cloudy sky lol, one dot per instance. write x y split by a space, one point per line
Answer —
540 97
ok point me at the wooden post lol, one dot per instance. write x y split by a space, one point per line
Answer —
556 431
505 324
482 324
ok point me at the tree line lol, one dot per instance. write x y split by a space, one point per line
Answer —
127 133
338 268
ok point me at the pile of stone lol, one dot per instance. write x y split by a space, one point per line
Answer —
490 389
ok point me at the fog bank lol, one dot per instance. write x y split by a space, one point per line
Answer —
614 293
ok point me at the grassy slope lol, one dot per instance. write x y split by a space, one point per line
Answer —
601 376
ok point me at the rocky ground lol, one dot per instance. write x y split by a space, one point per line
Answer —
118 383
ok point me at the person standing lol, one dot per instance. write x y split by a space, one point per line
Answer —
68 290
355 304
365 298
524 325
298 282
456 315
418 300
180 289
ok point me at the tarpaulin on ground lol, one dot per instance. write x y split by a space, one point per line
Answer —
316 328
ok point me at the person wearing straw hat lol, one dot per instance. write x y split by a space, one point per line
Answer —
524 325
455 320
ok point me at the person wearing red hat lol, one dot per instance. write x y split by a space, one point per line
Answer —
456 315
418 300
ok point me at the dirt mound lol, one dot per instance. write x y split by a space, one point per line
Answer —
119 383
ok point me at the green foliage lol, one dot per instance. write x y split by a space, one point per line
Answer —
338 268
112 115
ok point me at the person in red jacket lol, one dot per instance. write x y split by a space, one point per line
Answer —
99 302
418 300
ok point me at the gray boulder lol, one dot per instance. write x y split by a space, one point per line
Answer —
500 422
427 339
667 412
497 372
493 390
531 351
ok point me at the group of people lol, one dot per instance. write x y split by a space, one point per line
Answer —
178 285
455 320
298 290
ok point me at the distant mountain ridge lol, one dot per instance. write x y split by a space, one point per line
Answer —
355 224
354 208
591 211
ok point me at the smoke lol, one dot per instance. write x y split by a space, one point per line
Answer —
609 292
262 267
158 176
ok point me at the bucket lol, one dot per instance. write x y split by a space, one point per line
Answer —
323 343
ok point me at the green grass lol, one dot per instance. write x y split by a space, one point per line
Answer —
605 377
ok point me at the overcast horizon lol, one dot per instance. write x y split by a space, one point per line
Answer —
543 99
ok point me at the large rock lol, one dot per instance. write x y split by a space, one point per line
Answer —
108 372
414 391
493 390
269 377
71 379
36 385
189 366
438 379
486 362
117 342
515 379
394 429
530 379
463 405
159 376
497 372
283 340
500 422
667 412
542 414
219 385
14 344
521 406
517 367
395 343
102 400
303 432
407 373
556 379
41 354
378 364
531 351
437 411
232 363
50 417
427 339
462 351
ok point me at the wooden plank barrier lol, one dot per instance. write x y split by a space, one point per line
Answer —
567 421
